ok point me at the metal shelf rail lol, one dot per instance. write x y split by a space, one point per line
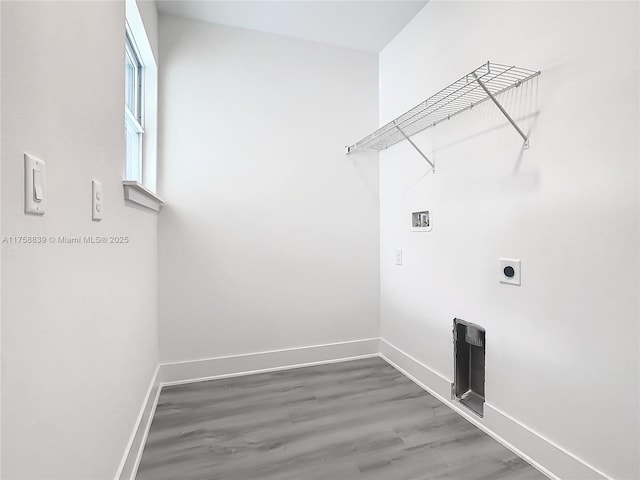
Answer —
484 83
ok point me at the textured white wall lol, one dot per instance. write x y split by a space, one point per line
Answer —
562 349
79 322
270 234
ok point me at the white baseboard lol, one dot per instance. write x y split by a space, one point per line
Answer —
133 453
236 365
551 459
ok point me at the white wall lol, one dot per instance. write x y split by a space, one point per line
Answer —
269 237
1 232
149 14
562 349
79 322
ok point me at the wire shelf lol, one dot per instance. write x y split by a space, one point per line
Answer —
483 83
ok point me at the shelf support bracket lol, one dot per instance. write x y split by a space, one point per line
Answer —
504 112
433 167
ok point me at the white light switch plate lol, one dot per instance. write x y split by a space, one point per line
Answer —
399 256
510 266
96 200
34 185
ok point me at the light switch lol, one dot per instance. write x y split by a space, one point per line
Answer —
96 200
34 185
38 187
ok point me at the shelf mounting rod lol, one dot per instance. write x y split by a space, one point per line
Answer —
504 112
433 167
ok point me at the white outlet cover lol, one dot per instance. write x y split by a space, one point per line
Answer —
96 200
399 256
516 265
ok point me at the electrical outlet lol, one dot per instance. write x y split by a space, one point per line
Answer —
510 271
96 200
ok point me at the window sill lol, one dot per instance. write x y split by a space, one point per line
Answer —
134 192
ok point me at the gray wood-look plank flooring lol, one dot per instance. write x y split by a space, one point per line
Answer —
360 419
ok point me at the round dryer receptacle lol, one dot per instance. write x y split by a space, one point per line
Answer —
509 271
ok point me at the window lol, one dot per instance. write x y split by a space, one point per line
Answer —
133 117
140 111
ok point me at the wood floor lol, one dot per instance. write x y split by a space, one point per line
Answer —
352 420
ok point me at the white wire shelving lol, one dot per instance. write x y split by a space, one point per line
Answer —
484 83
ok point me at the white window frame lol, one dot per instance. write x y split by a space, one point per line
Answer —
140 173
134 119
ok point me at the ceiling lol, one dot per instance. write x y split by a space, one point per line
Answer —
363 25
